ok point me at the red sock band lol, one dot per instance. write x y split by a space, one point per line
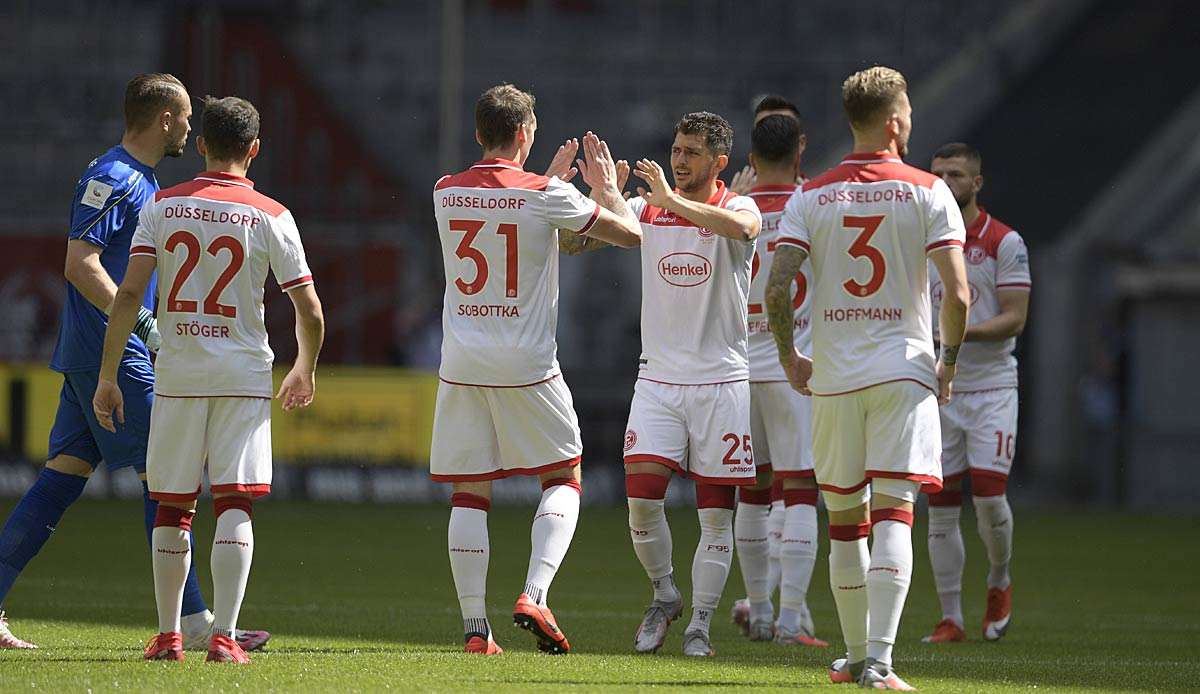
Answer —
715 496
221 504
777 491
759 497
946 499
171 517
646 485
465 500
797 497
985 483
849 533
892 514
563 482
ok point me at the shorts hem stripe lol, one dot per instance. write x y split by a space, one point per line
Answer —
503 474
667 462
252 489
171 496
715 383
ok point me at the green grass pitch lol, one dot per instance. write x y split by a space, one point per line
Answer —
359 598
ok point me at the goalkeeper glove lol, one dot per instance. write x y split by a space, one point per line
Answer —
147 329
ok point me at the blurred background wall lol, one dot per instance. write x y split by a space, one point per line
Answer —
1086 111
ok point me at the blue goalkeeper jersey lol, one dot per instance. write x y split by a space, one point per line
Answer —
104 212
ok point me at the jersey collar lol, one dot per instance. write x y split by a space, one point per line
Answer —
871 158
718 196
979 227
497 164
774 189
226 178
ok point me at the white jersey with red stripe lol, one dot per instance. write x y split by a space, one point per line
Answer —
764 356
996 261
499 230
214 238
695 288
869 225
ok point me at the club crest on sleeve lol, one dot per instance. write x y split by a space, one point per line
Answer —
630 439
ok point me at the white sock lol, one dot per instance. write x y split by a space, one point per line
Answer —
233 550
947 555
887 586
774 538
553 527
469 554
798 555
652 544
994 518
750 536
848 577
171 560
710 566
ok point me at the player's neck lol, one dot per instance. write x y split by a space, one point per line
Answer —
509 154
701 194
229 167
871 145
970 213
776 177
148 153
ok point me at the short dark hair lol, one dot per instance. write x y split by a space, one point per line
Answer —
718 134
774 102
148 95
776 139
229 126
960 149
500 113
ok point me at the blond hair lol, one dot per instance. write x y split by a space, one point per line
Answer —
867 94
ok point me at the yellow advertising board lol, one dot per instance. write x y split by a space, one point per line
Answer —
370 415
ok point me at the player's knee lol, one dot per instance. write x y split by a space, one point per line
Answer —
70 465
175 514
983 484
644 485
947 498
231 502
763 477
716 496
890 493
463 499
755 495
480 489
799 496
569 477
953 483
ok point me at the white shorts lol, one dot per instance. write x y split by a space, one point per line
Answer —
979 432
487 433
230 436
781 428
702 432
888 431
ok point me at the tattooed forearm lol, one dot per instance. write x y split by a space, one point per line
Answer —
780 314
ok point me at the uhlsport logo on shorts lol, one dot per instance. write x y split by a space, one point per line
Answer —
630 439
685 269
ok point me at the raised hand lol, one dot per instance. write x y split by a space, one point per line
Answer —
597 166
744 181
659 194
560 165
623 177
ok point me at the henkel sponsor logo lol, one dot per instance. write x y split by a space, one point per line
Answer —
685 269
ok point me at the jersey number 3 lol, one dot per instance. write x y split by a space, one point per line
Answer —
862 248
191 245
470 229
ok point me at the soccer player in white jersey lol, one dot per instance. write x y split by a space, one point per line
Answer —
502 406
868 225
780 418
691 405
212 240
979 428
770 105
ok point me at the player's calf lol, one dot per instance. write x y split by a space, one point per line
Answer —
752 537
714 556
470 551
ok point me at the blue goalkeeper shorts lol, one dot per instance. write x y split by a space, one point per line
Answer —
77 433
